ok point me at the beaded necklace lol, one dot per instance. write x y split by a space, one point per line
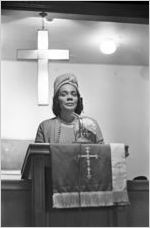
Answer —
66 123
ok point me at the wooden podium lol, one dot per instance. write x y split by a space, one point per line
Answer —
37 167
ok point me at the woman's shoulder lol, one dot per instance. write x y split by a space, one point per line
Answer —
48 121
92 125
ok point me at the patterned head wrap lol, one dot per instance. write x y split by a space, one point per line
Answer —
67 78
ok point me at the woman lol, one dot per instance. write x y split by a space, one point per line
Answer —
68 126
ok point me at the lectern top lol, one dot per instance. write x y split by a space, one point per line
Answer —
33 149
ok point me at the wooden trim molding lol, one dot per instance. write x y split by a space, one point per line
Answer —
17 185
141 185
10 174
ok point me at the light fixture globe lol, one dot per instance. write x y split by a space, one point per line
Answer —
108 46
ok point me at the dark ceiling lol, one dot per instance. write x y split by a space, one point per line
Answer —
119 11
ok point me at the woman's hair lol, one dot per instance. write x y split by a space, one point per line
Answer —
56 105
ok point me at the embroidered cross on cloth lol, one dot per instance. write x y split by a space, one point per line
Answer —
88 175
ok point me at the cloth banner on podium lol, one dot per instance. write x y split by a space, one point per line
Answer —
88 175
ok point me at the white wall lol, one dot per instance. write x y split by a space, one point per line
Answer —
116 96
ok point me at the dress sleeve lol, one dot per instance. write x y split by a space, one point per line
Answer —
40 135
99 135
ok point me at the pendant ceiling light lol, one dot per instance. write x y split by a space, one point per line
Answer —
108 46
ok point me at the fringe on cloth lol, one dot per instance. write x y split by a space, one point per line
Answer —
89 199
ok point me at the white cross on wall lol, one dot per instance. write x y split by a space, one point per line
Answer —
42 55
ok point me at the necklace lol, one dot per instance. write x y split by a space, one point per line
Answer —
65 123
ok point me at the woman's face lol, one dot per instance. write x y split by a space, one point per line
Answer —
68 98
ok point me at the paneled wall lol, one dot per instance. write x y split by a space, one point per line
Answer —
16 207
16 203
